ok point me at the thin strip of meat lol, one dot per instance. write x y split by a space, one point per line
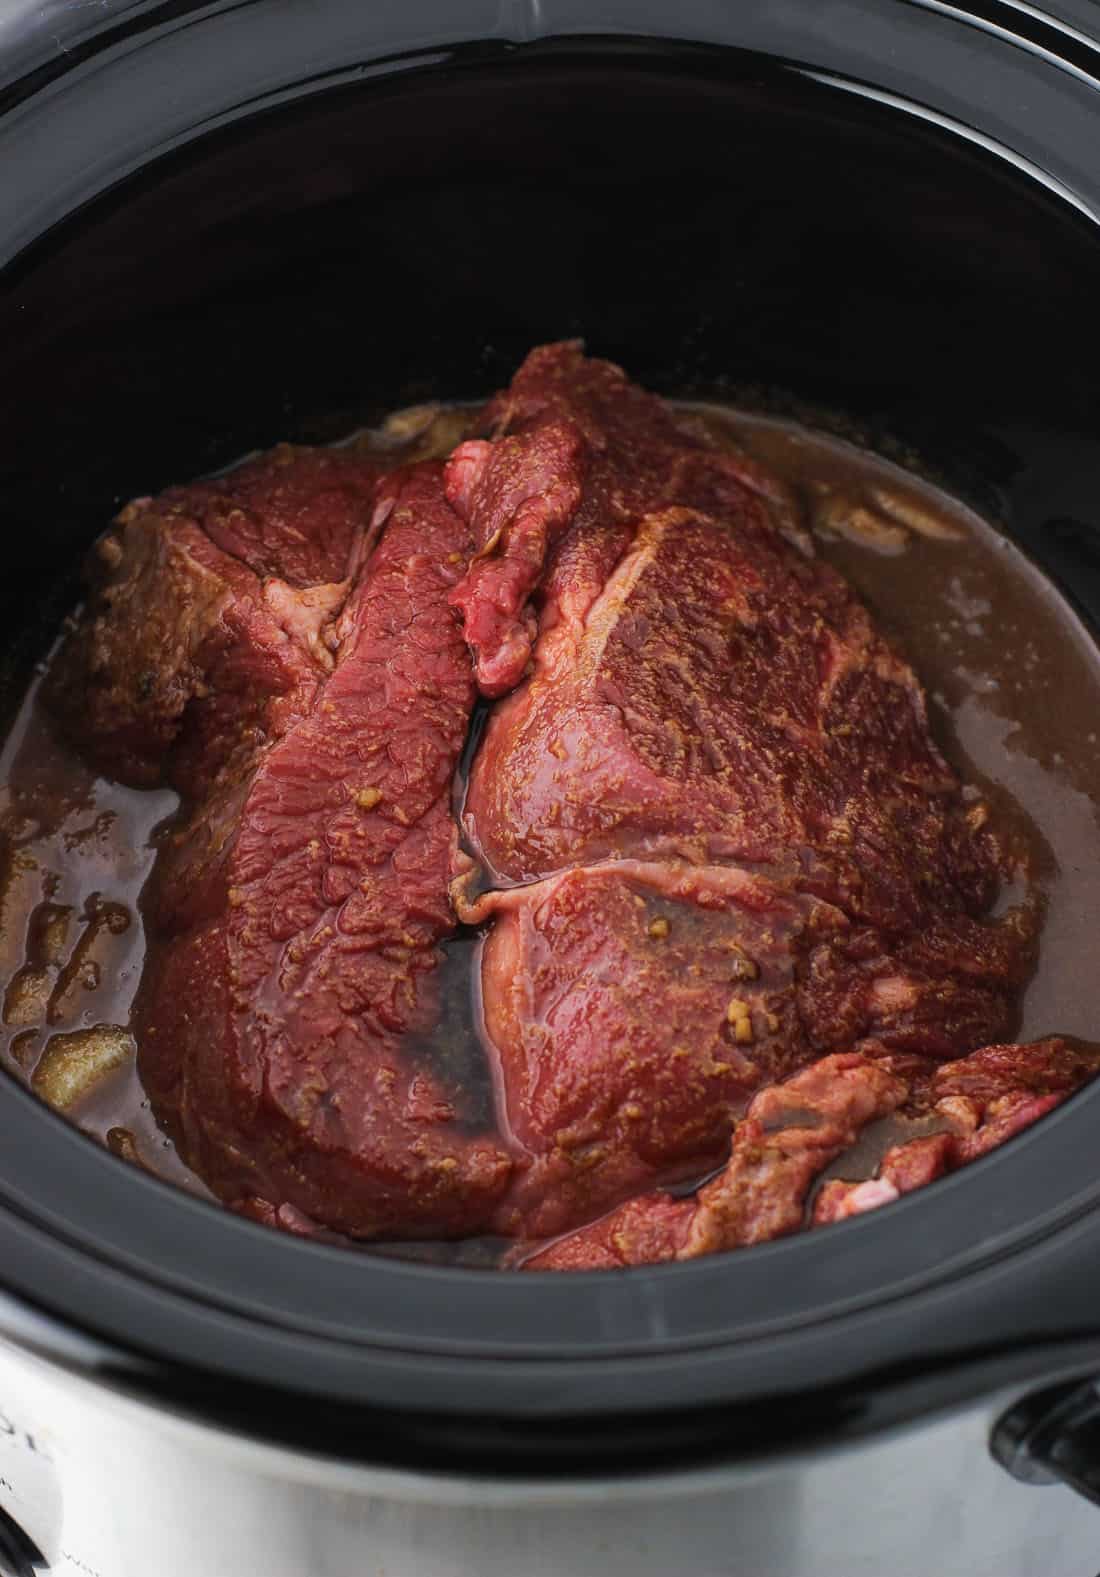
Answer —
981 1101
792 1131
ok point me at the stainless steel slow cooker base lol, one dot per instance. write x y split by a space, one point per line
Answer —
223 224
132 1491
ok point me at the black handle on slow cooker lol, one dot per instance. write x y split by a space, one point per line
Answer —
1053 1436
19 1555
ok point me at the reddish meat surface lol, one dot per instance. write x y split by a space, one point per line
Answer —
724 698
273 1030
979 1102
204 630
298 905
578 446
789 1134
517 494
736 905
615 993
705 696
293 514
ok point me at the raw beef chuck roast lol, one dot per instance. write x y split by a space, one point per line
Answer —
210 600
736 845
735 904
578 448
293 959
273 1032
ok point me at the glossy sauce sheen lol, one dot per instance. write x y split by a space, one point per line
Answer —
1014 696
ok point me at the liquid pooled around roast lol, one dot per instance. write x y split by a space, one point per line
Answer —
507 838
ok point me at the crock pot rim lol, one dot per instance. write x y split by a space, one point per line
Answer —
59 1190
603 1328
58 50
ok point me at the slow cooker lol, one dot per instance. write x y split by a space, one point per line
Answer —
230 222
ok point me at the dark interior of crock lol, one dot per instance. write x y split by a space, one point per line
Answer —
717 225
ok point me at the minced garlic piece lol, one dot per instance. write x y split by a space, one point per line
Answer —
977 816
739 1016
